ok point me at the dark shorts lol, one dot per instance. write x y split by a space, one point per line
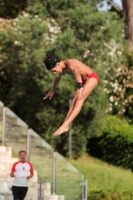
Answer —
19 192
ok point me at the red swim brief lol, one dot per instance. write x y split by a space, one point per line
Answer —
92 75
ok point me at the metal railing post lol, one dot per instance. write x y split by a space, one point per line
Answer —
70 142
3 126
70 131
28 144
40 189
54 173
43 190
84 190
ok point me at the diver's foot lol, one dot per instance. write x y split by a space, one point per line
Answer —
62 129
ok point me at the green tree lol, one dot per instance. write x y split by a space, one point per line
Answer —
128 18
127 14
11 9
119 85
120 89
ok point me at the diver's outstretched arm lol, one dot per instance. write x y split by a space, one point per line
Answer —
51 92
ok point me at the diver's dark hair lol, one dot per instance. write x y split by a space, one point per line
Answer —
51 60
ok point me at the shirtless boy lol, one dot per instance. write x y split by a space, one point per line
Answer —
86 79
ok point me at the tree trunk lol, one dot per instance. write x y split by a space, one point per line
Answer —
128 15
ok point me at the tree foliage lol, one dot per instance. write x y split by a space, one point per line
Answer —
97 194
11 9
120 89
115 144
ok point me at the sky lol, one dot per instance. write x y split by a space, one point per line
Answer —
105 7
118 2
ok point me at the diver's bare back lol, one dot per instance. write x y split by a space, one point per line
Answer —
83 69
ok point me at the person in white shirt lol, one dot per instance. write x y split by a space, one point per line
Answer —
22 171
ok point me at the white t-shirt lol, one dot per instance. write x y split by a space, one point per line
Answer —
21 172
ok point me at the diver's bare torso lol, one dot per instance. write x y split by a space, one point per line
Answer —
83 69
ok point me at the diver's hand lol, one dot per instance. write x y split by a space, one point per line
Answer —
49 94
79 92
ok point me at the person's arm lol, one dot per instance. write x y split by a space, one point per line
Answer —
77 75
12 174
51 92
79 82
13 170
31 171
56 81
31 175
